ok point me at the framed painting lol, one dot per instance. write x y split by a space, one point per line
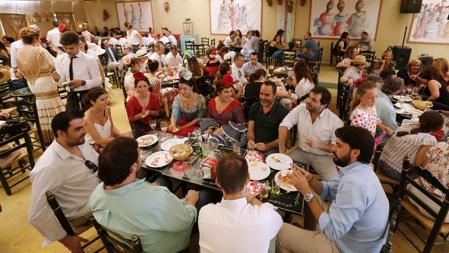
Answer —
227 15
431 24
138 13
330 18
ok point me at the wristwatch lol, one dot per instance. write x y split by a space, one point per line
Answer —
308 197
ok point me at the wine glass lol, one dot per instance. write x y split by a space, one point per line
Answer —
164 128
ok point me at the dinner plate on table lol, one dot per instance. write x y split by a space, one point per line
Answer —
258 170
146 140
282 180
159 159
166 145
279 161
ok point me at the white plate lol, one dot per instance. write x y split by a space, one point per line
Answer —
159 159
258 170
279 161
166 145
147 140
403 98
289 188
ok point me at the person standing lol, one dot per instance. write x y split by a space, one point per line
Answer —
79 70
37 66
53 37
133 36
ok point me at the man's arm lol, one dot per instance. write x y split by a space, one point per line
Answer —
94 73
250 134
287 123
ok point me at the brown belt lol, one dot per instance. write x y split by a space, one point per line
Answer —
46 95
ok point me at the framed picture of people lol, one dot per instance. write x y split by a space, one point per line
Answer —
330 18
138 13
431 24
227 15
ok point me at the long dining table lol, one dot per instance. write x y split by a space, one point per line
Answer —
289 202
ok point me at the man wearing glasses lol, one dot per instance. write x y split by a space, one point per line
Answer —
68 170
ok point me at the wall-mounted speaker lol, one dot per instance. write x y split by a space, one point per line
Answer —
401 55
411 6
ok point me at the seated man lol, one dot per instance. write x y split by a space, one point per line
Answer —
311 50
263 120
128 205
173 58
316 126
158 54
67 168
237 74
357 220
251 66
240 222
365 42
229 41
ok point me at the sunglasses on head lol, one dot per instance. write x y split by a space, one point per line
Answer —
90 165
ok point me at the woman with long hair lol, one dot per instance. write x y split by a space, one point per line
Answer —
342 44
100 129
350 54
304 79
436 90
37 65
276 47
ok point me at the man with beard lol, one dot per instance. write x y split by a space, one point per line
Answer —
316 126
67 169
357 220
264 119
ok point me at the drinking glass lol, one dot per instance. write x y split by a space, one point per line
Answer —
263 192
275 188
164 126
205 148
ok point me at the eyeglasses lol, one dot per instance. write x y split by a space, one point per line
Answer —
90 165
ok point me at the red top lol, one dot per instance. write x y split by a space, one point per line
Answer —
233 112
133 107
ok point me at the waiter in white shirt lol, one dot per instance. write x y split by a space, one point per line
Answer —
173 58
53 37
67 169
79 70
159 55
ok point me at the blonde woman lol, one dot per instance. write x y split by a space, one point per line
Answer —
38 66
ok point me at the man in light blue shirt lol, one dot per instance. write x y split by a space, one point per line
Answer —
357 220
384 107
131 206
251 66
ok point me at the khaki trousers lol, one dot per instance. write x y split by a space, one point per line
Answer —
293 239
323 164
81 224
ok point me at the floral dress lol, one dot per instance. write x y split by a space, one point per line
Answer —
365 118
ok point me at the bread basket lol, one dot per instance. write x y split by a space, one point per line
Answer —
422 105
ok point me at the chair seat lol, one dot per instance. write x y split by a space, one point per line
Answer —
13 157
386 179
422 219
10 110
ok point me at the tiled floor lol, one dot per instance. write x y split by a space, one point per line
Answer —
18 236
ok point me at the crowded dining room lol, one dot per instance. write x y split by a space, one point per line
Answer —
225 126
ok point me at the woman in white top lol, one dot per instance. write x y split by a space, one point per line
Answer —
133 36
90 51
100 129
304 79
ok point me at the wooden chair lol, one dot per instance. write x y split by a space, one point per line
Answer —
189 45
116 243
345 103
19 157
212 42
6 100
331 54
262 50
370 57
289 57
62 219
435 226
26 107
205 40
339 87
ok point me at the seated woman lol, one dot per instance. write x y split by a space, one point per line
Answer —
385 109
212 64
435 159
153 76
436 90
100 129
355 71
303 76
342 44
385 63
142 107
188 107
411 73
276 48
350 54
252 89
407 141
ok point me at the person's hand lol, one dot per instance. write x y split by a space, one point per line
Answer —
192 197
249 196
76 83
145 114
389 131
311 143
73 243
4 115
251 145
55 76
17 73
307 174
261 146
219 131
350 82
413 77
300 181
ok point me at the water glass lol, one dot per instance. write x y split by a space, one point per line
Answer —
205 148
275 188
153 124
236 147
263 192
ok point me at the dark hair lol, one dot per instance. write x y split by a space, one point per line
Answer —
92 95
152 65
61 121
173 47
326 96
256 33
429 121
280 37
2 46
69 38
102 43
116 159
357 138
392 85
28 35
222 70
144 79
302 70
365 33
255 53
344 35
194 67
9 39
237 56
223 51
55 23
309 33
349 53
256 75
133 62
83 39
364 86
272 85
386 73
231 33
232 173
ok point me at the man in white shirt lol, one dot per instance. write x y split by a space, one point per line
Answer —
53 37
173 58
240 222
237 72
316 126
158 55
79 70
228 42
168 37
67 169
252 65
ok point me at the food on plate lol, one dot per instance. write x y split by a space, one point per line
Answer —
146 140
422 105
181 151
276 159
286 178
